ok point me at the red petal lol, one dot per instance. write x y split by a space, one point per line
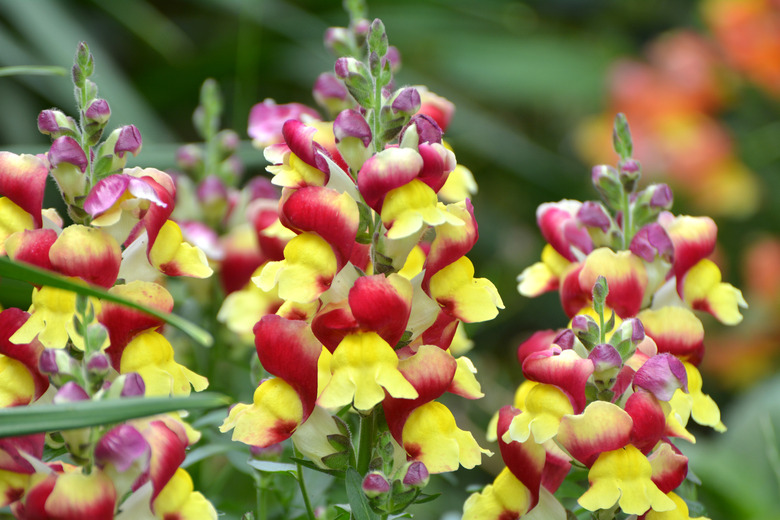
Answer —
23 180
382 305
430 371
289 350
525 460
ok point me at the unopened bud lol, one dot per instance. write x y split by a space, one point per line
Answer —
661 196
375 484
565 339
65 149
127 385
330 93
98 111
357 80
416 475
592 214
652 241
56 124
129 140
353 138
228 141
586 329
662 375
189 157
420 129
406 101
98 363
70 392
338 41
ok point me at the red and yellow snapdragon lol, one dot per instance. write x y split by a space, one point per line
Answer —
612 392
68 348
373 282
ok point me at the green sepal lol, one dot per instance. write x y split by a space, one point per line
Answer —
339 442
102 168
610 324
337 461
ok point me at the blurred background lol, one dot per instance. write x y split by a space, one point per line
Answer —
536 85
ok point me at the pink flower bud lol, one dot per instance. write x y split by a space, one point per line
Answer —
261 188
375 484
662 196
592 214
98 363
416 475
211 189
98 111
328 87
129 140
337 39
189 156
65 149
122 446
630 166
228 141
428 131
349 123
47 122
650 241
661 375
70 392
565 339
267 119
406 101
605 357
133 385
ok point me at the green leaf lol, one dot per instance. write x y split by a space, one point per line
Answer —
24 420
358 501
273 467
33 70
423 498
33 275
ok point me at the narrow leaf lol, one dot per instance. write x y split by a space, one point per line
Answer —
33 70
273 467
24 420
34 275
358 501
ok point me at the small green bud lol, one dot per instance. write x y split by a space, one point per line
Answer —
621 137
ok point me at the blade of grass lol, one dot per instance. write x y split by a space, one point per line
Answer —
34 275
25 420
34 70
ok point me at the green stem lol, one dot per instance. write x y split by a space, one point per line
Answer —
260 505
365 443
627 220
302 485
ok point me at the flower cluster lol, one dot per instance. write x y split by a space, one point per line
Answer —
610 392
69 348
373 281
